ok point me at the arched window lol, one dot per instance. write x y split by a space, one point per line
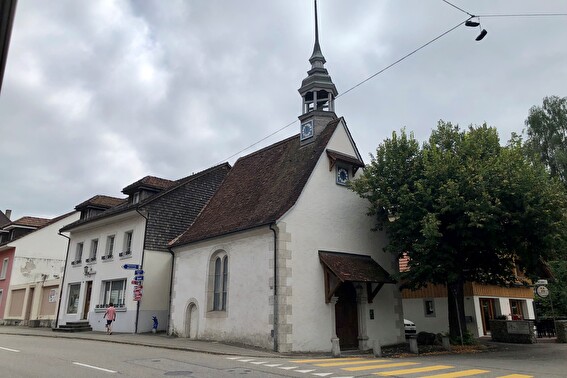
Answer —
218 281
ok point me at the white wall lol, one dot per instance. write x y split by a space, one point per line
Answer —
155 298
104 270
414 310
247 317
330 217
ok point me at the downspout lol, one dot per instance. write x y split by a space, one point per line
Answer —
276 315
141 267
62 278
170 289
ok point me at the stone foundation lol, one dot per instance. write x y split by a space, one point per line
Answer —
513 331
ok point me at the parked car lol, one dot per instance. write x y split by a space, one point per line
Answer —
409 327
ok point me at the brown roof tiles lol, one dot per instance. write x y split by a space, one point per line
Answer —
260 188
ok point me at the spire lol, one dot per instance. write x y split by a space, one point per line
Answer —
318 94
317 55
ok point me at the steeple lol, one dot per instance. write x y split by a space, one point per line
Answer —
317 92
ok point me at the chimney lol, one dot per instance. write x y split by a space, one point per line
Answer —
8 213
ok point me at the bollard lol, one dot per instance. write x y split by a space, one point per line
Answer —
446 343
413 344
377 349
336 348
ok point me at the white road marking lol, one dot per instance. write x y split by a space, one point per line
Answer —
94 367
288 367
233 358
325 374
246 360
305 371
10 350
273 365
259 362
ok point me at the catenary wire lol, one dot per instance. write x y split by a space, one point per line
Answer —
454 6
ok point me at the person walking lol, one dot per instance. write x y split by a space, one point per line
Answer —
110 315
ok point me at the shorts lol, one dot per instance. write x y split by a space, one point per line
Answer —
108 322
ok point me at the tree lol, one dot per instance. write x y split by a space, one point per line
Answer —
547 135
556 304
463 208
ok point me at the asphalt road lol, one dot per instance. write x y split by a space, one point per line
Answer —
29 356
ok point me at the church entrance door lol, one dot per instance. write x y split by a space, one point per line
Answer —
346 316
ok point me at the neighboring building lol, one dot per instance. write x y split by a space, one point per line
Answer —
136 230
32 256
283 256
428 307
7 13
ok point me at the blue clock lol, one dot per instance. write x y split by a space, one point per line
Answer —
306 130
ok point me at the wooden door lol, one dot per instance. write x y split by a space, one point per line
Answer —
487 312
346 316
87 305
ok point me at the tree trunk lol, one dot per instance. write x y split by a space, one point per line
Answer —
456 305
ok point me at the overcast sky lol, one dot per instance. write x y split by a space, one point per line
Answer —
98 94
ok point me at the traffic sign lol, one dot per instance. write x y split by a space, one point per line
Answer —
131 266
138 272
542 291
139 278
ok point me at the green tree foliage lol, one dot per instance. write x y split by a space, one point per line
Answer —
547 135
464 208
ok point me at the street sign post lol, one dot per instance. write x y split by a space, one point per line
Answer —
139 272
131 266
139 278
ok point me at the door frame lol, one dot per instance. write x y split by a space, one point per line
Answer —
87 302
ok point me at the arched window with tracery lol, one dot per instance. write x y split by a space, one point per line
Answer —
218 281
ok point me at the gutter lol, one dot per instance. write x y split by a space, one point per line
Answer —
141 266
62 278
170 289
276 315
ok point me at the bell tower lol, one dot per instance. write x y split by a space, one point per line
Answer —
318 94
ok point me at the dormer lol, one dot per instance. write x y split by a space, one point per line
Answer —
146 187
97 205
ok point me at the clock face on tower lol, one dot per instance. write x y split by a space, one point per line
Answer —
342 175
306 130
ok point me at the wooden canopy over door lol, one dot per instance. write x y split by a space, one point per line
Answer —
347 267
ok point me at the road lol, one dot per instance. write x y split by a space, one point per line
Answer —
30 356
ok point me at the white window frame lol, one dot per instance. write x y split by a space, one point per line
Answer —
128 237
75 305
107 290
110 239
217 292
429 307
94 250
78 253
4 271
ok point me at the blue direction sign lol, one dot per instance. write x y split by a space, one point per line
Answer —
131 266
139 272
139 278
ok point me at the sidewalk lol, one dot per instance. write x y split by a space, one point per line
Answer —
159 340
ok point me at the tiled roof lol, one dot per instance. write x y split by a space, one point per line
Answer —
260 188
149 182
101 201
179 208
30 222
354 268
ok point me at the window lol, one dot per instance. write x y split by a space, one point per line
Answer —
109 247
113 291
219 281
73 298
94 247
78 254
429 307
516 309
128 242
4 268
136 197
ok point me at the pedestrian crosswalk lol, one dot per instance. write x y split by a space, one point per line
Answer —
338 367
